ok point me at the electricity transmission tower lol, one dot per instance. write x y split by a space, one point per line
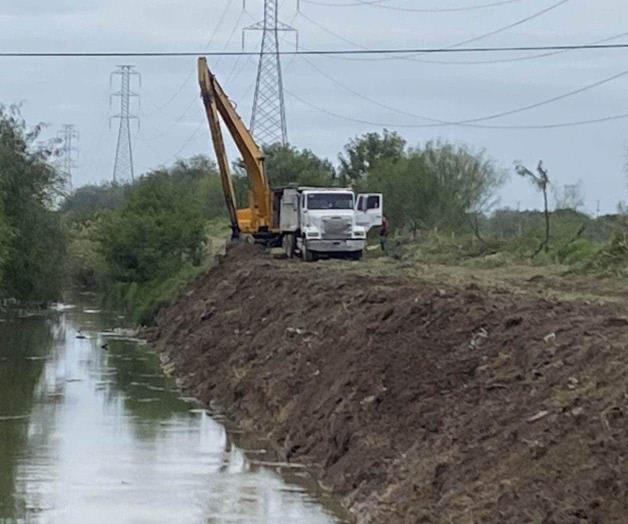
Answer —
268 121
123 170
68 138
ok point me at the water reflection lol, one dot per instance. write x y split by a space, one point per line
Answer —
90 431
24 346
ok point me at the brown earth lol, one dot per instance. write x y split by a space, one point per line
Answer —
414 402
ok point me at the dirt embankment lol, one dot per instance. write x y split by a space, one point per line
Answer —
415 402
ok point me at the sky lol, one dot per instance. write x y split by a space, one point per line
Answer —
330 99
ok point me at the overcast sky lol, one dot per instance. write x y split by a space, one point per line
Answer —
445 87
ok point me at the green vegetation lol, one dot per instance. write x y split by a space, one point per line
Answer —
139 244
32 239
437 186
361 154
287 165
440 200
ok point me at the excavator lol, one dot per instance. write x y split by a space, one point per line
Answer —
312 222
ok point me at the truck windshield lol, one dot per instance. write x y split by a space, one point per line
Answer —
330 201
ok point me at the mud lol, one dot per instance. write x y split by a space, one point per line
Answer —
414 402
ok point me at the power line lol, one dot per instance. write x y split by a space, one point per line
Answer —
194 98
187 142
576 123
518 58
450 62
380 4
477 38
193 70
321 52
435 122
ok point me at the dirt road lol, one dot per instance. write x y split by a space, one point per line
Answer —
414 400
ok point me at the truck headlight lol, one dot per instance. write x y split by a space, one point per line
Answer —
313 234
359 234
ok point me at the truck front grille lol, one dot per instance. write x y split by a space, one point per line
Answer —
336 228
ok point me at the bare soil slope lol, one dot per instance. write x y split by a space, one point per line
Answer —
414 402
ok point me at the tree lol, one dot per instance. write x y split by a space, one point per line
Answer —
439 185
88 200
361 154
569 197
541 180
4 237
200 175
159 227
286 165
32 241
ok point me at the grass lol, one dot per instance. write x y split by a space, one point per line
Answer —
143 300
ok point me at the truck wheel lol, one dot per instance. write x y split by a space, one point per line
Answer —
356 255
288 245
308 255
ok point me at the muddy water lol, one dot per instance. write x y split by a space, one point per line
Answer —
97 434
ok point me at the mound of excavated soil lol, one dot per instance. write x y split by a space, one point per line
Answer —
414 403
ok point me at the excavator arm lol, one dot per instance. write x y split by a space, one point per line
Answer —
257 217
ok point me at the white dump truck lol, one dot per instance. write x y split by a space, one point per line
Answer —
321 222
309 221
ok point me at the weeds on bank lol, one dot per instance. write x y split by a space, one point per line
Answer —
573 252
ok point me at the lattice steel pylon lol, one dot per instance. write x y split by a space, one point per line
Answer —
268 120
123 170
68 138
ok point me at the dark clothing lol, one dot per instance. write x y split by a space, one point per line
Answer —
383 234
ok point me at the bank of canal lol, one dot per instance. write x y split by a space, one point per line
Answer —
91 431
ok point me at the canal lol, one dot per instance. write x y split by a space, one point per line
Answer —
91 431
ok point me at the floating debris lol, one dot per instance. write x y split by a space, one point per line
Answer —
62 307
12 417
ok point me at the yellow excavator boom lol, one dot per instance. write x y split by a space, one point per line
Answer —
258 216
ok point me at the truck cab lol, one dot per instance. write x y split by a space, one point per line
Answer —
325 222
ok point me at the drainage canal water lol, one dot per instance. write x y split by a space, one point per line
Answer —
92 432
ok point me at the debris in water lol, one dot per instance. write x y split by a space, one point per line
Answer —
12 417
62 307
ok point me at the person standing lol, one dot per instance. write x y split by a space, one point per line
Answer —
383 234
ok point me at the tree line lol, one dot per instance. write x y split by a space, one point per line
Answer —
32 237
141 240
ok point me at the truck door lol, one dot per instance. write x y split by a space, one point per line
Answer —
369 210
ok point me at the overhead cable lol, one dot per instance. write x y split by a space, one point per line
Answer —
393 125
314 52
380 4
